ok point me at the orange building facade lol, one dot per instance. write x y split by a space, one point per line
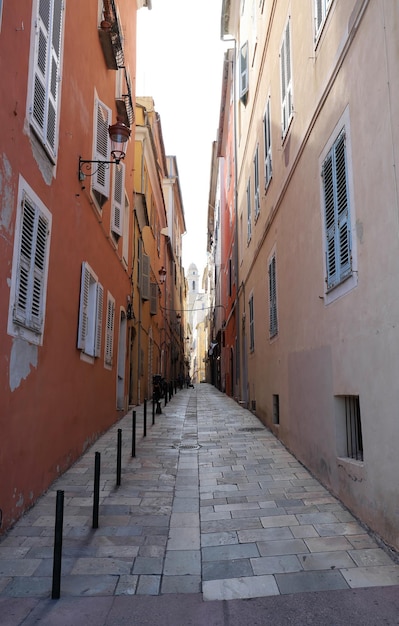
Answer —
66 227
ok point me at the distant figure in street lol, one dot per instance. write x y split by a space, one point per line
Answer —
188 381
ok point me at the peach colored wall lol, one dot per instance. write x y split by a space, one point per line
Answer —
53 405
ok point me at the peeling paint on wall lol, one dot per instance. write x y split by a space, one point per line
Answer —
23 357
6 195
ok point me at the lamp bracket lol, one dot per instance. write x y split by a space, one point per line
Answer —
86 167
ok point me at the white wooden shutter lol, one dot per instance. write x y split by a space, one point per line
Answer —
244 82
99 319
267 144
102 147
109 331
31 272
84 306
47 73
118 199
154 299
286 79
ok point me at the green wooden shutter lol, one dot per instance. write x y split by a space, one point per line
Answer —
118 199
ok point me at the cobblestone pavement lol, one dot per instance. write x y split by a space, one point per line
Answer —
211 503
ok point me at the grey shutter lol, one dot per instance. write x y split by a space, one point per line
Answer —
345 257
273 323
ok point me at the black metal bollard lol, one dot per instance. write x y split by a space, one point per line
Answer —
96 492
145 418
134 433
153 409
119 458
59 521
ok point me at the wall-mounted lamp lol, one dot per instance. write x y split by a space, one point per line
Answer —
162 275
119 134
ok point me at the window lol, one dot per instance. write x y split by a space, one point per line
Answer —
90 312
30 267
273 325
109 330
337 214
101 151
244 73
118 199
267 137
1 12
249 212
256 183
321 10
349 428
145 278
286 80
251 324
44 91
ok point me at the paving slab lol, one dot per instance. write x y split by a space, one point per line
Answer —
234 515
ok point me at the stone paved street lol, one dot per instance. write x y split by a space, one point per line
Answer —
212 503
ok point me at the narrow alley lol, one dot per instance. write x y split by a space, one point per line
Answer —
212 507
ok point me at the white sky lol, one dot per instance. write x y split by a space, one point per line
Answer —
179 64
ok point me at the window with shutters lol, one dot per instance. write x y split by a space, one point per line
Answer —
321 8
100 181
45 83
90 313
273 323
145 277
30 267
337 214
109 331
286 80
118 199
256 184
249 212
251 323
153 298
244 78
267 139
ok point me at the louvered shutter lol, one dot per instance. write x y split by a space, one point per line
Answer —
28 309
102 147
47 70
268 144
99 319
345 257
145 278
243 71
286 82
84 307
336 214
319 14
329 217
118 199
109 331
154 299
273 324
